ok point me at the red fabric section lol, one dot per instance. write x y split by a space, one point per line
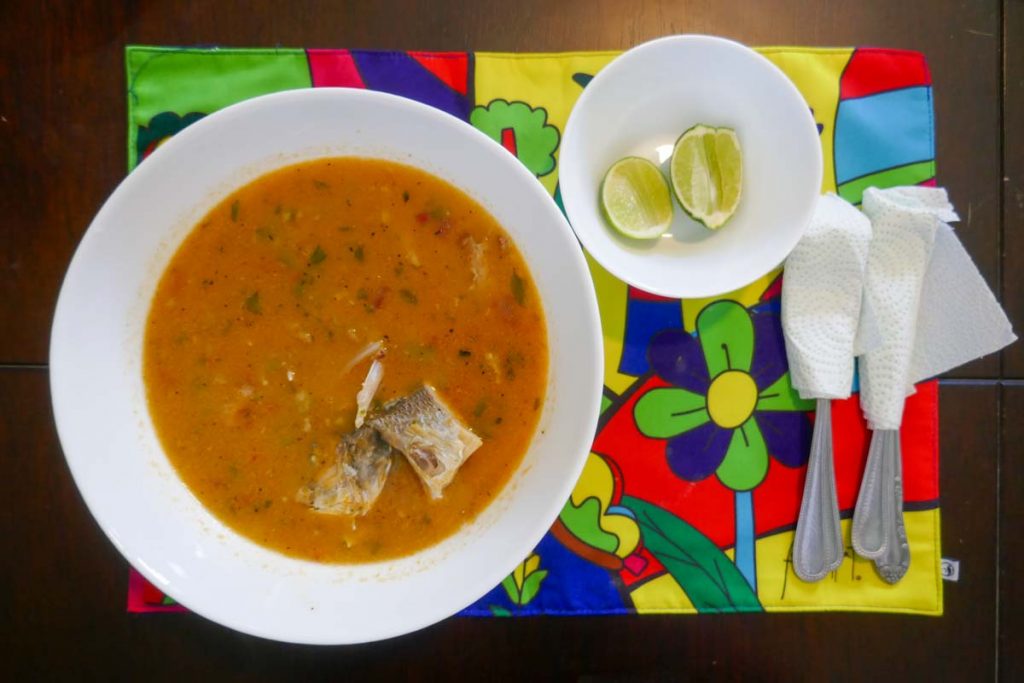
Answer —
707 505
617 479
919 442
333 68
635 293
774 289
874 70
777 499
452 68
145 597
508 140
652 569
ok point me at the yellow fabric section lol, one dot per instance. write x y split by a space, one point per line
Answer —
661 594
597 482
816 75
532 564
611 300
855 585
541 80
731 399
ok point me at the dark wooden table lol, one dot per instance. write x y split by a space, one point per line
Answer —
62 127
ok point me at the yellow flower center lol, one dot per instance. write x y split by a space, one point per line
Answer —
732 398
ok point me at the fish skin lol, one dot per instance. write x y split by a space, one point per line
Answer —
351 484
426 431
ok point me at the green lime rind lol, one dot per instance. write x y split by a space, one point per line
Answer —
636 199
706 171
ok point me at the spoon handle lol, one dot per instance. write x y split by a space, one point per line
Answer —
868 534
895 561
818 544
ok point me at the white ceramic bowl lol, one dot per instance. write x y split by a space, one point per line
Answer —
639 105
99 398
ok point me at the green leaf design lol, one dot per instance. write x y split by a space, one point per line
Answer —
746 462
531 586
161 126
667 412
726 335
499 611
584 521
509 584
710 580
535 140
781 396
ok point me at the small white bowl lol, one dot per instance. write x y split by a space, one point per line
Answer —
639 105
99 398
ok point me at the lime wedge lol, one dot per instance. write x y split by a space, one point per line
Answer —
635 198
707 174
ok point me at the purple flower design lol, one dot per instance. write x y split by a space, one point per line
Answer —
731 405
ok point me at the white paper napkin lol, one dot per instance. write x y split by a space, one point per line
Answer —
821 299
931 305
959 318
903 234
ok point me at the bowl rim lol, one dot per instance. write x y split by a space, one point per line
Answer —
621 63
573 265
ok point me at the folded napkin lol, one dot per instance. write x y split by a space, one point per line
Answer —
926 295
904 228
821 299
958 318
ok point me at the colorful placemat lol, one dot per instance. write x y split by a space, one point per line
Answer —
684 506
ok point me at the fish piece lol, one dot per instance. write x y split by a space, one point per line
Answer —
351 484
425 430
369 389
371 349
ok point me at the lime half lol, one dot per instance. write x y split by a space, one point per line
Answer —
707 174
635 198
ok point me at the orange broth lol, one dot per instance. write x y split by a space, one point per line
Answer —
279 288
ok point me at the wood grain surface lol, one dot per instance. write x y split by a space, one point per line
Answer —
62 141
1012 270
1011 521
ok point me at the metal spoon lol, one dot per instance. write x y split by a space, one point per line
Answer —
878 530
868 532
895 561
818 544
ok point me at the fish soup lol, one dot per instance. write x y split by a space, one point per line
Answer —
323 294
